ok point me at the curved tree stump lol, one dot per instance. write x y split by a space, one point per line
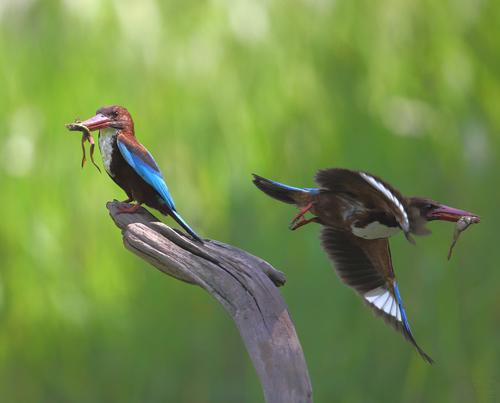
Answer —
244 284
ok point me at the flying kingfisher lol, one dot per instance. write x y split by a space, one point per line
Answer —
131 165
358 213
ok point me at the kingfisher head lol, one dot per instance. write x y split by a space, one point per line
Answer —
113 116
423 210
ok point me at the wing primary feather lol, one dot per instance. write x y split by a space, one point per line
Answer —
389 312
406 326
365 265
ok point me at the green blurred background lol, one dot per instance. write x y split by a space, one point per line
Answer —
408 90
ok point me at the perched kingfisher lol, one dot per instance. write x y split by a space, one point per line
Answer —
359 212
130 164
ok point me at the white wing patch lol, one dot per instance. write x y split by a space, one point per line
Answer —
382 299
390 196
374 230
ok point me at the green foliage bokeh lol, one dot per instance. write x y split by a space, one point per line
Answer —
408 90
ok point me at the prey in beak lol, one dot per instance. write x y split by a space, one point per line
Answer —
462 224
431 210
425 210
464 219
99 121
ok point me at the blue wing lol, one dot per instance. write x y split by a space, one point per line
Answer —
144 164
146 167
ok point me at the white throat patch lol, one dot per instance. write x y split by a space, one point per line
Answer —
390 196
106 140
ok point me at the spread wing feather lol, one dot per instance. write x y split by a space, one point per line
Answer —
366 266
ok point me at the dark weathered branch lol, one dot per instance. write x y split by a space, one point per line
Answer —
244 284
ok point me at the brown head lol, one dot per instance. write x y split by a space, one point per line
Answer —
423 210
114 116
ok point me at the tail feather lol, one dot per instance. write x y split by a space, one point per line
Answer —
177 217
279 191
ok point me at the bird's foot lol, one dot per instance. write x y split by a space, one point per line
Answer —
302 212
129 200
303 222
129 210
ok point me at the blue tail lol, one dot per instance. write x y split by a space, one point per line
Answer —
281 192
176 216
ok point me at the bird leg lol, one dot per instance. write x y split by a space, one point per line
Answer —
129 210
301 214
303 222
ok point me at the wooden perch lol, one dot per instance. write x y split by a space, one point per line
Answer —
244 284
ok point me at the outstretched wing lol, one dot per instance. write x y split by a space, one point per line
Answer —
366 266
369 188
144 164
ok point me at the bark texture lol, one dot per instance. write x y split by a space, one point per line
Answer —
245 285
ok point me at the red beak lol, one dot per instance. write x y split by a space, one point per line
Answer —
96 122
446 213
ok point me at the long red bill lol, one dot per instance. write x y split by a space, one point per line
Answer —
96 122
447 213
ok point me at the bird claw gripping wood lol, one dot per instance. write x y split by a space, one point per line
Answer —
462 224
86 136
